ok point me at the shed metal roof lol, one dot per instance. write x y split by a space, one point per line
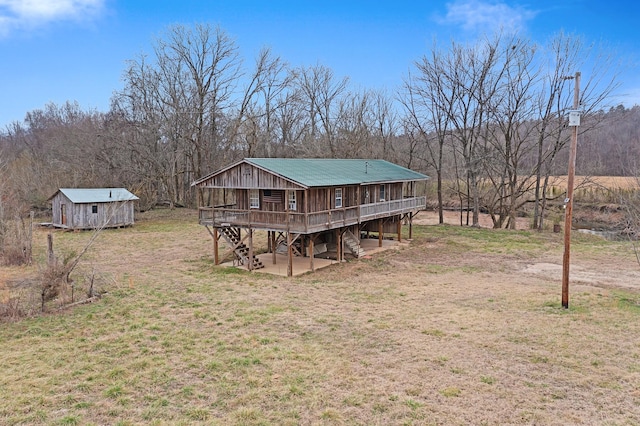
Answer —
314 172
96 195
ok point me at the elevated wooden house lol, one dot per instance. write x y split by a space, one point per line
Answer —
307 205
90 208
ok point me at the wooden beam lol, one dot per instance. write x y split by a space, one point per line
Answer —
289 256
295 250
250 264
399 229
215 236
311 249
380 232
273 246
216 256
233 248
410 225
209 230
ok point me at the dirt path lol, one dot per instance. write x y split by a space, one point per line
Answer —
585 271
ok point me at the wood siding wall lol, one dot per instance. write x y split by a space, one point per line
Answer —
247 176
81 216
228 202
320 199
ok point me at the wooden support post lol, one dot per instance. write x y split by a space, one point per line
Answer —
566 257
410 225
216 255
339 245
273 246
399 229
250 265
380 232
311 250
50 256
289 256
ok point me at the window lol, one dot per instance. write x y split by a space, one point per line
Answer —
254 199
382 193
94 209
338 198
292 200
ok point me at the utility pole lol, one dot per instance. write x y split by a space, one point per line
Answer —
574 121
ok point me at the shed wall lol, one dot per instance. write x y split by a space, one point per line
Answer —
81 216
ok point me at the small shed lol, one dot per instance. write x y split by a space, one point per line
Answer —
90 208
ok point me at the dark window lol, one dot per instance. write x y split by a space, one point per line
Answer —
94 209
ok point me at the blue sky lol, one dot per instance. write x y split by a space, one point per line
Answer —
60 50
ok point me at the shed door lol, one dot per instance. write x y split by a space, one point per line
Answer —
63 214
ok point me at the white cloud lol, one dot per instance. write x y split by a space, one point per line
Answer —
23 14
486 16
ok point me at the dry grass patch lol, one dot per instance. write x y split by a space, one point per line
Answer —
449 330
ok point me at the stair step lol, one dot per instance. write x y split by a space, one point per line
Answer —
353 244
241 251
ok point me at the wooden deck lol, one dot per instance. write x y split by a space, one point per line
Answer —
307 223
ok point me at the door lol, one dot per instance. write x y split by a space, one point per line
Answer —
63 214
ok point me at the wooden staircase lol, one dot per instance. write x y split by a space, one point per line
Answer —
353 244
240 250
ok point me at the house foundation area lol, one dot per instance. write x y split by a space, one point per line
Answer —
312 212
325 255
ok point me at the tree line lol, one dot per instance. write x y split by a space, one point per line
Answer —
487 120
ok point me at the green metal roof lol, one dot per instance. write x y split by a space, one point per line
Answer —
96 195
312 172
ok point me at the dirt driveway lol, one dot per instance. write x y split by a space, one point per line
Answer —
586 270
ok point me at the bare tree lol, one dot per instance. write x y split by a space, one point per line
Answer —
290 126
509 140
262 97
427 100
470 80
184 95
354 125
319 94
566 54
385 126
495 105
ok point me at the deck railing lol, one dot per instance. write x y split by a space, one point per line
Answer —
307 222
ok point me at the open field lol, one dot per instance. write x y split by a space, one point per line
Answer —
608 182
597 189
461 326
588 189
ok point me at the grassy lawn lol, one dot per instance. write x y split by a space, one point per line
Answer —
458 327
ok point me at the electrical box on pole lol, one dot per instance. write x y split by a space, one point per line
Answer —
574 118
